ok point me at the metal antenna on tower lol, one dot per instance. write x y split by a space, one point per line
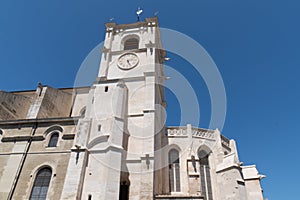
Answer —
138 13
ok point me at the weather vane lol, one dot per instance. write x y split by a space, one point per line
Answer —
138 13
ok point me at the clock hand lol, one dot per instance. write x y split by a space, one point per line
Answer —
128 62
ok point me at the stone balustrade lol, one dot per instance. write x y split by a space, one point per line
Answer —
203 133
177 131
225 141
195 132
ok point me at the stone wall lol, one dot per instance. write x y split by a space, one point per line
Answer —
55 103
13 106
24 150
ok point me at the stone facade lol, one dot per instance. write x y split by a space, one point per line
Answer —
109 141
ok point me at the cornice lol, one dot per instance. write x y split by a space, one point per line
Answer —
149 22
42 120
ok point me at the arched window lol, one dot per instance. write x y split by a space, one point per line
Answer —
53 139
41 184
205 178
174 171
131 43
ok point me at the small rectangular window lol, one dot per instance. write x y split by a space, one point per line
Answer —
106 89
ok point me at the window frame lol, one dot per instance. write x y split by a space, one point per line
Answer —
51 138
127 37
134 44
174 168
48 134
35 177
205 174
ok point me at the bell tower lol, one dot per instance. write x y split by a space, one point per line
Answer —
116 141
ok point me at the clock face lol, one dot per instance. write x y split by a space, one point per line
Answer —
128 61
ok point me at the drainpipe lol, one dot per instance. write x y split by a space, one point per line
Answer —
14 185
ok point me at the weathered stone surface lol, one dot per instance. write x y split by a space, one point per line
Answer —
50 103
13 106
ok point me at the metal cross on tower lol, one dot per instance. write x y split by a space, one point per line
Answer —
138 13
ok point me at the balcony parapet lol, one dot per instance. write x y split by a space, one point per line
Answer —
191 131
177 131
225 141
203 133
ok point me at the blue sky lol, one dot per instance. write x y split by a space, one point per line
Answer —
255 45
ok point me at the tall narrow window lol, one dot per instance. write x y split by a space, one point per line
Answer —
41 184
174 171
53 140
131 43
205 179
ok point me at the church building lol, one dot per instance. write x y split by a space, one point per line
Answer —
109 141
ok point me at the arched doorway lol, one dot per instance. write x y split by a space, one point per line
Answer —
124 191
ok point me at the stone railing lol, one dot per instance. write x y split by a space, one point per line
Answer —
203 133
193 132
177 131
199 133
225 141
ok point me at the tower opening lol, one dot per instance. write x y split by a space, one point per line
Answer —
131 43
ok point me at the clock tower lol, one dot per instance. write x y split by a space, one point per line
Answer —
109 141
116 141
